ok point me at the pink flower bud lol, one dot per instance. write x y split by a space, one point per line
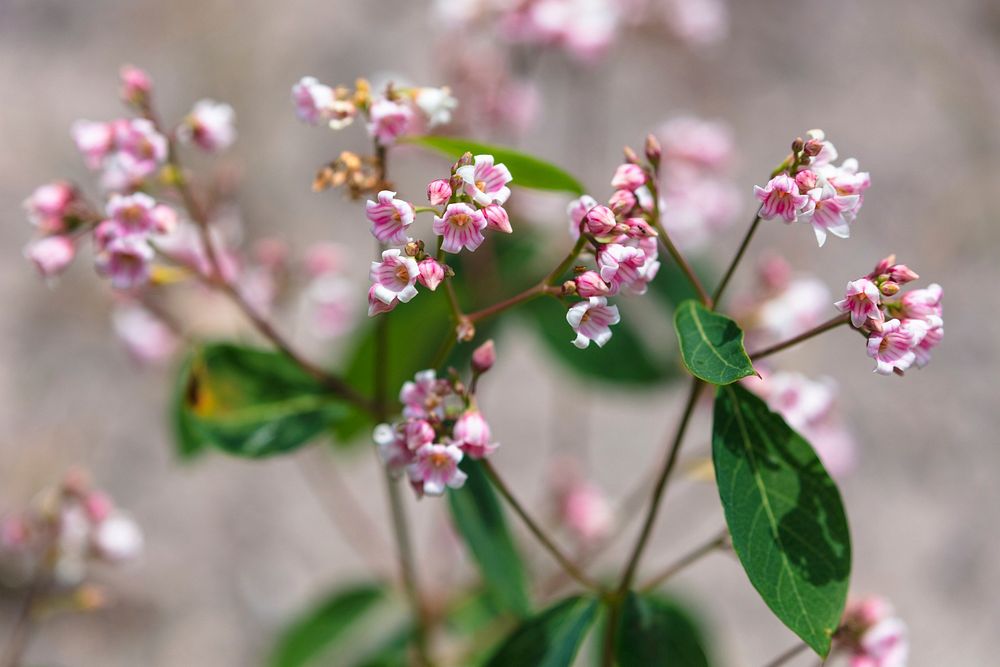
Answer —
98 506
51 255
628 176
431 273
14 532
600 221
439 192
622 201
806 180
497 218
484 357
591 284
472 435
136 85
889 288
49 204
118 539
653 150
882 267
902 274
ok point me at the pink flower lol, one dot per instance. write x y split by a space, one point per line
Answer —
892 348
136 84
576 211
592 320
861 299
483 357
439 192
146 337
626 267
423 396
418 432
590 284
436 104
392 449
210 125
461 226
586 512
431 273
313 100
435 468
803 304
376 306
118 539
330 304
704 143
497 218
140 148
823 151
600 221
388 120
780 197
485 182
922 303
472 434
395 277
872 635
139 213
628 176
933 335
49 205
125 260
51 254
93 140
389 217
830 212
847 179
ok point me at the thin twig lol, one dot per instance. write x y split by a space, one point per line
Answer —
693 556
788 655
24 626
536 530
736 258
832 323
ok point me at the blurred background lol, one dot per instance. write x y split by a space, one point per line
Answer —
234 549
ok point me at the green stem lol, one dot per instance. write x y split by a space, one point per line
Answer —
672 249
788 655
736 259
832 323
536 530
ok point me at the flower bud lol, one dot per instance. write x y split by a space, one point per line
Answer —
590 284
569 288
118 539
630 155
465 331
883 266
902 274
431 273
888 288
653 150
51 255
622 201
439 192
628 176
463 161
497 218
136 85
484 357
412 248
797 145
806 180
599 221
812 147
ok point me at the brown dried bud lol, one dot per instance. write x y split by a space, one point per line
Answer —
465 331
630 155
653 150
797 145
812 147
569 288
412 249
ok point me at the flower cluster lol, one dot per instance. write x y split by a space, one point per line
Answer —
441 425
902 331
69 526
397 112
808 187
624 246
872 635
465 206
698 198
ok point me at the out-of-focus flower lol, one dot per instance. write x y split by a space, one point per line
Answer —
435 468
592 320
148 339
436 104
472 435
483 357
577 211
210 125
136 85
51 255
49 206
389 120
872 634
628 176
313 100
125 261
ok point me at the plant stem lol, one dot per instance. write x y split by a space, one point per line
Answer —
525 296
788 655
832 323
736 259
683 263
536 530
24 627
693 556
660 488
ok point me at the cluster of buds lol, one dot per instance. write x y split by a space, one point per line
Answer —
441 425
470 202
624 246
872 635
808 187
698 196
397 112
901 331
68 527
360 174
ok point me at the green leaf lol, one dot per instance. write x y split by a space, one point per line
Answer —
551 639
323 628
711 344
784 514
625 359
480 520
655 631
251 402
528 171
188 444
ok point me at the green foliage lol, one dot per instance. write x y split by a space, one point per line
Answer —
480 521
784 514
188 444
656 631
324 629
527 170
550 639
711 344
249 402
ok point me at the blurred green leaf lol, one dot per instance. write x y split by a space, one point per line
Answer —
655 632
319 631
251 402
188 444
528 171
550 639
479 519
784 514
711 344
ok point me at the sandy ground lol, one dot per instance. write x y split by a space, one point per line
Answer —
912 89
